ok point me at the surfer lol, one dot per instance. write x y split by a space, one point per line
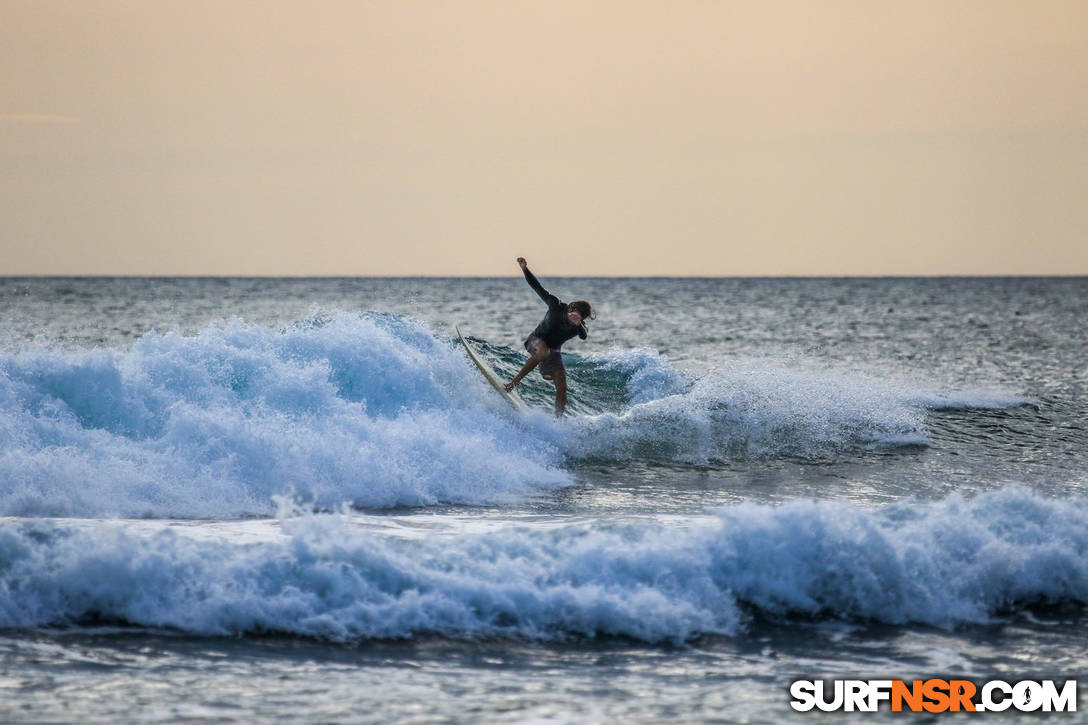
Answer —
562 322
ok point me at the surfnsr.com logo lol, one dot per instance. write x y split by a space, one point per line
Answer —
933 695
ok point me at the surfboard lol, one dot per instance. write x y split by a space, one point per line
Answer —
512 398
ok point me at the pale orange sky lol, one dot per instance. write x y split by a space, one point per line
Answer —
595 138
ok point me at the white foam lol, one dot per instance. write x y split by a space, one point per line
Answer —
946 563
379 411
365 409
759 408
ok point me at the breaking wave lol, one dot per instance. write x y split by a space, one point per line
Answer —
379 411
946 563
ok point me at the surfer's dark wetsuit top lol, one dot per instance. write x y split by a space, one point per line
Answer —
555 328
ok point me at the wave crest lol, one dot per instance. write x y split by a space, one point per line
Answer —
948 563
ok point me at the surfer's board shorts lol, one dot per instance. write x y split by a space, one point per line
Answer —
550 365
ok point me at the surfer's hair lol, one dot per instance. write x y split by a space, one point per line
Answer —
582 307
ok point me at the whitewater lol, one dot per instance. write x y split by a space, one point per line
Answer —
237 480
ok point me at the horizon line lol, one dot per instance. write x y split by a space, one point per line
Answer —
980 275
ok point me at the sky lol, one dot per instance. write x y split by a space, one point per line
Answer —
628 138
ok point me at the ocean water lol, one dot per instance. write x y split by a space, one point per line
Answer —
295 500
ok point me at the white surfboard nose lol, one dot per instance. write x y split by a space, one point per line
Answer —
510 397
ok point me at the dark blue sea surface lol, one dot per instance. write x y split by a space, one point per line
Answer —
277 500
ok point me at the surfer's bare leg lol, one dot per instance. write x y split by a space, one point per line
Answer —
540 353
559 377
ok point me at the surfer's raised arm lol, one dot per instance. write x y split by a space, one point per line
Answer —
549 299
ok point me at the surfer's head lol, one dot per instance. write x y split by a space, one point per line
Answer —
579 310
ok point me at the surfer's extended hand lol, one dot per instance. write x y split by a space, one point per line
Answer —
522 262
509 387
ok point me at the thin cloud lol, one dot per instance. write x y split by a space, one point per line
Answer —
38 118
